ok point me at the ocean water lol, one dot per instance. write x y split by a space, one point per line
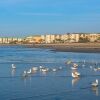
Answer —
49 85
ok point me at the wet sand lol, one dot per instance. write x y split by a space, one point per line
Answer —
67 47
71 47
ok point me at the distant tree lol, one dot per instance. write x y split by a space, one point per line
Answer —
98 38
25 42
68 39
84 39
13 42
41 41
59 41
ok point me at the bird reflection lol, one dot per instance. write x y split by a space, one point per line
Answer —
13 72
74 81
44 73
25 82
95 90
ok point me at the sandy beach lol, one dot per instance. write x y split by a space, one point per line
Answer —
71 47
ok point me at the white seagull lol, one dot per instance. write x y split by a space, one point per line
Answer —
24 74
29 71
95 84
13 66
75 74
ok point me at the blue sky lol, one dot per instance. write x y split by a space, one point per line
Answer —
27 17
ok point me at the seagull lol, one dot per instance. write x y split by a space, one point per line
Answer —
75 74
45 69
40 67
74 66
29 72
25 74
69 62
83 65
60 67
35 68
95 84
54 69
95 69
91 67
13 66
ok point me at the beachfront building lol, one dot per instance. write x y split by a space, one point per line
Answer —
69 37
7 40
28 39
61 38
64 37
49 38
73 37
34 39
43 38
93 37
89 37
58 38
0 40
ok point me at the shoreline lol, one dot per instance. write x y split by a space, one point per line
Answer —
68 47
71 47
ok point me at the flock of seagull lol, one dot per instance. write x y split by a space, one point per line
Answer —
35 69
75 74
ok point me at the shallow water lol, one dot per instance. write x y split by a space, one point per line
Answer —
57 85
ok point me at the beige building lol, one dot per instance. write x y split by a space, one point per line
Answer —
73 37
64 37
70 37
90 37
52 38
61 38
8 40
35 39
93 37
49 38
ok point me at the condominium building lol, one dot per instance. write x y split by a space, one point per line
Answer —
90 37
49 38
73 37
34 39
53 38
7 40
57 38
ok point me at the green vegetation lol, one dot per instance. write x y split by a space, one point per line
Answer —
13 42
83 40
58 41
98 38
